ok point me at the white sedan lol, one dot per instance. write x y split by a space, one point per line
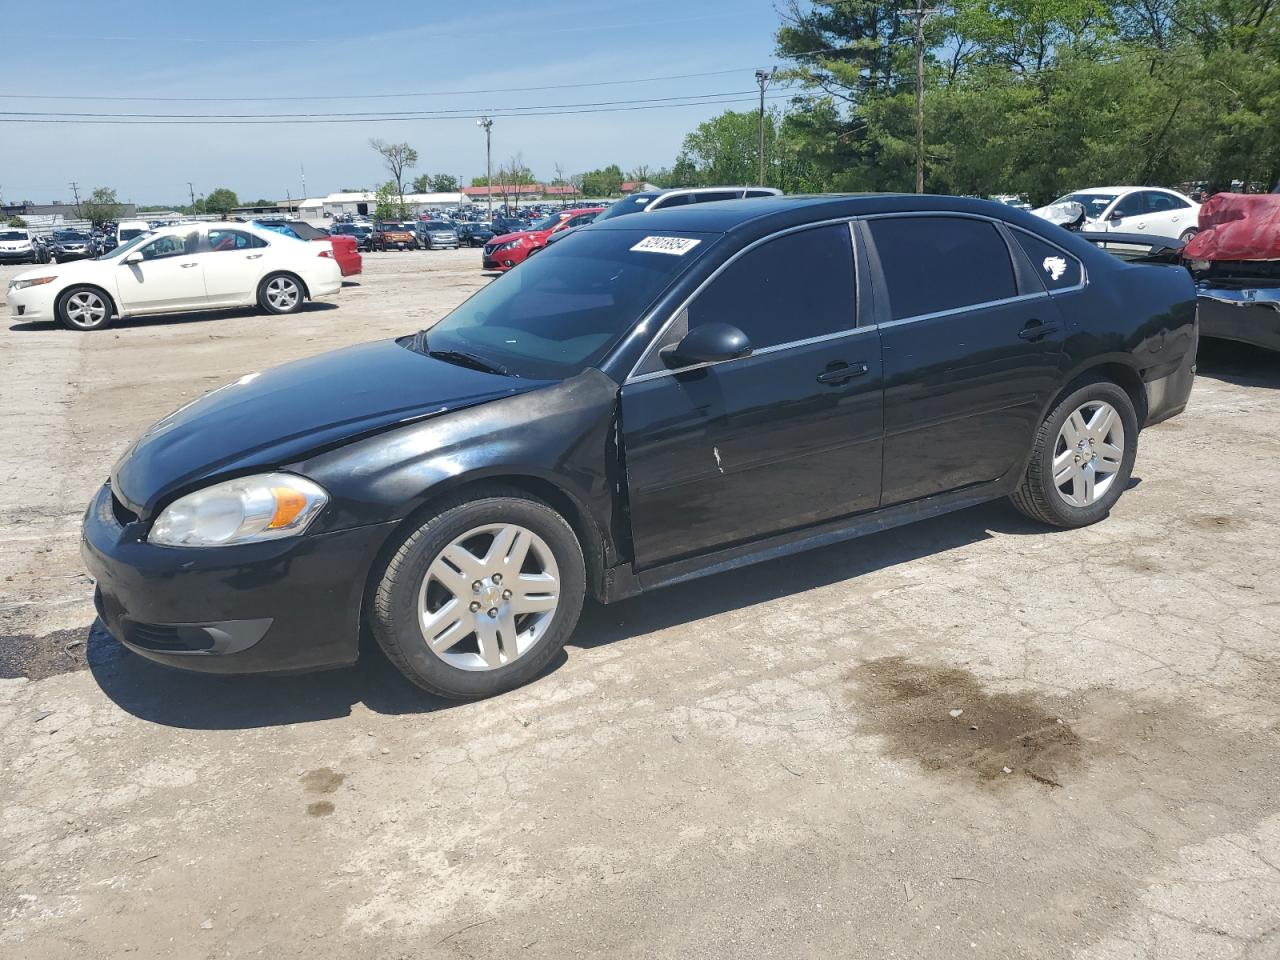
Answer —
192 266
1153 210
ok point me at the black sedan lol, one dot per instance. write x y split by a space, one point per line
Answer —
474 234
653 399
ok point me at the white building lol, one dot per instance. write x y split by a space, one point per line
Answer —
364 204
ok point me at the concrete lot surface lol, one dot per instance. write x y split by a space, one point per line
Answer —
768 763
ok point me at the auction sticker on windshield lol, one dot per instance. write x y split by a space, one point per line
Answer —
678 246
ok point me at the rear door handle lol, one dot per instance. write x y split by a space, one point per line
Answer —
252 256
188 266
1035 330
841 372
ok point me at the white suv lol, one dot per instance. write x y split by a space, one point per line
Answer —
17 245
1152 210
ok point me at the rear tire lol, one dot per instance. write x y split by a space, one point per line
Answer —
281 293
457 641
1188 234
1082 458
84 309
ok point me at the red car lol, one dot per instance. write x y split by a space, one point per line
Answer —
345 248
505 251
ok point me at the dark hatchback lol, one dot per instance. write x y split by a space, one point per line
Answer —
654 399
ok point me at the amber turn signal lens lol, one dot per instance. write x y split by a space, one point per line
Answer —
289 503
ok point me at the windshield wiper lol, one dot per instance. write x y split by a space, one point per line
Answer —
462 358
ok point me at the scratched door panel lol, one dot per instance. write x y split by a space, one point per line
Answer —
751 447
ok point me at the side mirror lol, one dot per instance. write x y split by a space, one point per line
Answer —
1115 216
709 343
134 257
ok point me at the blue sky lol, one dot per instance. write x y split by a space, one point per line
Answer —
291 48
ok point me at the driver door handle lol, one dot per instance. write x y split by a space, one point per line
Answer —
187 266
841 372
252 256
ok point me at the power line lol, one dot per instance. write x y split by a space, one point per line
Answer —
374 96
386 114
531 112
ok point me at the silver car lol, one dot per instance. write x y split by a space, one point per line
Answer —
438 235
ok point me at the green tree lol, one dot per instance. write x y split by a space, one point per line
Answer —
397 158
388 202
101 206
16 222
605 182
221 201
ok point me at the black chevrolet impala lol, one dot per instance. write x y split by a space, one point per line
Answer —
644 403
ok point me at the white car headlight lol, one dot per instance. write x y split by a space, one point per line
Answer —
268 506
23 284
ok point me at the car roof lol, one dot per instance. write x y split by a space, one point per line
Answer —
767 214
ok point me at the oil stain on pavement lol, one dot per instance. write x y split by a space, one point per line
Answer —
943 719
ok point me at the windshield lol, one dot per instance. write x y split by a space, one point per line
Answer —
564 310
393 226
70 236
627 205
1093 203
438 225
13 235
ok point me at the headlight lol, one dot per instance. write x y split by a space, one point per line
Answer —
23 284
268 506
508 245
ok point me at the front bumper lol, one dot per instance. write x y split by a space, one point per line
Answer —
18 256
32 303
282 605
1248 314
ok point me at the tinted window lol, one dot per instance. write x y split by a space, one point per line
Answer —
942 263
711 196
1058 270
1160 202
792 288
582 220
222 240
170 246
1131 205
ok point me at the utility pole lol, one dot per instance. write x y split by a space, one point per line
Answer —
75 190
488 163
304 180
192 190
762 78
920 14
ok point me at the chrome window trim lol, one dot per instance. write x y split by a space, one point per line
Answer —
633 377
763 351
985 305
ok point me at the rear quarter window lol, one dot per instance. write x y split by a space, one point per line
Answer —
1057 269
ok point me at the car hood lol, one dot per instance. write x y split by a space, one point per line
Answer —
520 234
64 272
269 419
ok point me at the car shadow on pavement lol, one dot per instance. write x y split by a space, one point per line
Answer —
1240 363
211 702
176 319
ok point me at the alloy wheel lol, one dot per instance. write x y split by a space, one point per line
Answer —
489 597
85 309
282 293
1088 453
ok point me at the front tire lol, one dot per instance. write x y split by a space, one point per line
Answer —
1082 458
84 308
281 293
1188 234
480 597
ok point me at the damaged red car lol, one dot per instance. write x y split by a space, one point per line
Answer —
1235 260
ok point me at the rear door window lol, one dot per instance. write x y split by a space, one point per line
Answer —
795 287
934 264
